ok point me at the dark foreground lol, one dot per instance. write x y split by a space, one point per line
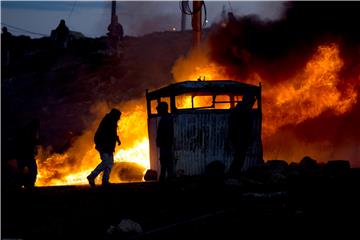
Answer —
187 209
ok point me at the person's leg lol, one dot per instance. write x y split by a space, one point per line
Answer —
108 160
162 171
166 163
170 169
238 162
32 173
99 168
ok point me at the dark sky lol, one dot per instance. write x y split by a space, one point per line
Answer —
137 18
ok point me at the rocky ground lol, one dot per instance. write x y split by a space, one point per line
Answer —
271 201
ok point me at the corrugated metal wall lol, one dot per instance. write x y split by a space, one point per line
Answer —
154 151
254 153
200 138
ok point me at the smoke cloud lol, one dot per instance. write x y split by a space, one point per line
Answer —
278 51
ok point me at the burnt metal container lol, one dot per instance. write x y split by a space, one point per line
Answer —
201 112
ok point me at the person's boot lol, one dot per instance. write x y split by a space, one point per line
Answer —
91 180
105 184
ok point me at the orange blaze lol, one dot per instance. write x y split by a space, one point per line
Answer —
307 95
73 166
310 93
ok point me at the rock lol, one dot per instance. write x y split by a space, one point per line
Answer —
150 175
309 167
278 165
127 172
293 170
128 226
337 168
124 229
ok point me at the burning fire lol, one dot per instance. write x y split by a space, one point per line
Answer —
310 93
197 65
73 166
313 91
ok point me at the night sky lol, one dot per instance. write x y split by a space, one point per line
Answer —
137 18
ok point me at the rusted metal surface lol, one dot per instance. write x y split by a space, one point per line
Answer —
202 136
254 154
154 151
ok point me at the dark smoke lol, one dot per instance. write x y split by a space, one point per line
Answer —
277 50
249 44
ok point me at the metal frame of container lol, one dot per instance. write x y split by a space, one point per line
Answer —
201 133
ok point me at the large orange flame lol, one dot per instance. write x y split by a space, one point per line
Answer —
307 95
314 90
73 166
310 93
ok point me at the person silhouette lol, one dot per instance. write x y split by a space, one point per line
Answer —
240 132
164 140
27 142
61 34
105 141
6 46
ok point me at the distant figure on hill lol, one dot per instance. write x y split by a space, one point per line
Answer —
27 142
105 140
164 140
6 46
116 31
61 35
240 131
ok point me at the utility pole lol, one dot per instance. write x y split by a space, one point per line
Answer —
196 23
113 9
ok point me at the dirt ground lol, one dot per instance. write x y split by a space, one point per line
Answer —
184 209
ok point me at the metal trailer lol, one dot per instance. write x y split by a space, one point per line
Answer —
201 111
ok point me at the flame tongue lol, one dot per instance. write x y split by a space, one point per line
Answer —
310 93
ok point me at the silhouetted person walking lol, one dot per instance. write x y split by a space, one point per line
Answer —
164 140
240 132
27 142
105 140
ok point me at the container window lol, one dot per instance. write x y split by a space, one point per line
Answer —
222 102
183 102
203 101
154 103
